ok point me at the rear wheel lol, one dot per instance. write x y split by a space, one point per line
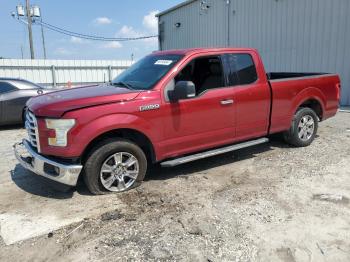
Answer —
303 129
114 166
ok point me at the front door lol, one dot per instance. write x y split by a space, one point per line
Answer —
5 93
205 121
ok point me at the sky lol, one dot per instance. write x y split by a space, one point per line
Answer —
109 18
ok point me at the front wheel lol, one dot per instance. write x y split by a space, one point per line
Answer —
114 166
303 129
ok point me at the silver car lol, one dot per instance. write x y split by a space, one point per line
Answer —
14 93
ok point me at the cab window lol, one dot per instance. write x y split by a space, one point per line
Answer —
241 69
205 72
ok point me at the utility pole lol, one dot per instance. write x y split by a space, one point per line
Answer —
29 19
33 14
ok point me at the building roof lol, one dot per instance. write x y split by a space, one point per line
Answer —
176 7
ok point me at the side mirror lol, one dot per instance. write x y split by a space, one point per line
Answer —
182 90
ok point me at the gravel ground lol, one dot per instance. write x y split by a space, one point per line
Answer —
267 203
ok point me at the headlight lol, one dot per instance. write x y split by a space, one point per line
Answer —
61 127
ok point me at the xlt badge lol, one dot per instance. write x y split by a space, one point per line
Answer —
149 107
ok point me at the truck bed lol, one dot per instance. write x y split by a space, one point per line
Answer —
288 90
284 75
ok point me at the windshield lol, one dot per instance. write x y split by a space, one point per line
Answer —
147 72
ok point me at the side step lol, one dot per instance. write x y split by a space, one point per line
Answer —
214 152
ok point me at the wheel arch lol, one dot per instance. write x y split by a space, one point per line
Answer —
133 135
312 98
315 105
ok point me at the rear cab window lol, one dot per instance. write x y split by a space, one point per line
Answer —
240 69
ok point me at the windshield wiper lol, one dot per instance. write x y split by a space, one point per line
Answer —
123 84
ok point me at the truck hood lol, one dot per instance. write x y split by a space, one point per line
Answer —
55 104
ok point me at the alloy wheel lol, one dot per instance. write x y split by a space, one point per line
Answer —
306 127
119 171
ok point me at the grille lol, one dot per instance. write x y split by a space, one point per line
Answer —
32 129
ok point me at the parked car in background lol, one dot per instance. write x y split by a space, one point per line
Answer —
14 93
171 107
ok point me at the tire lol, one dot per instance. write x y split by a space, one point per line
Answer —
303 129
114 156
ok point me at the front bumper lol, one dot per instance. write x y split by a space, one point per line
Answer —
60 172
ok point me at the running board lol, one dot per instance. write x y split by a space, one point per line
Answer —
214 152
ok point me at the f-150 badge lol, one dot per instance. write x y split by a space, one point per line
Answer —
149 107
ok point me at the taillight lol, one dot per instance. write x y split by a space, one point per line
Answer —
338 91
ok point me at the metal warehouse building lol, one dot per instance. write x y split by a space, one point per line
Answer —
291 35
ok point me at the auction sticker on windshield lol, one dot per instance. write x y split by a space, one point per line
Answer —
163 62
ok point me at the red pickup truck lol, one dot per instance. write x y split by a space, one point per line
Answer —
170 107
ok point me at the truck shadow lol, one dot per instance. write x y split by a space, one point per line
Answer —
41 186
44 187
200 166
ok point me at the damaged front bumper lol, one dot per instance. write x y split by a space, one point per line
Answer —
60 172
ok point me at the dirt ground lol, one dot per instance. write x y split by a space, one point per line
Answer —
267 203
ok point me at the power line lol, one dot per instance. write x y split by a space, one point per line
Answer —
90 37
74 33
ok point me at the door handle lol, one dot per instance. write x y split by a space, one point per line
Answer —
227 102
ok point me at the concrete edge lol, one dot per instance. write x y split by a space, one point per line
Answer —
345 109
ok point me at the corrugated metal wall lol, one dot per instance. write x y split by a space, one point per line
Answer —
59 72
291 35
198 27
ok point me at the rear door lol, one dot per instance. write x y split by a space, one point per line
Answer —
251 94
